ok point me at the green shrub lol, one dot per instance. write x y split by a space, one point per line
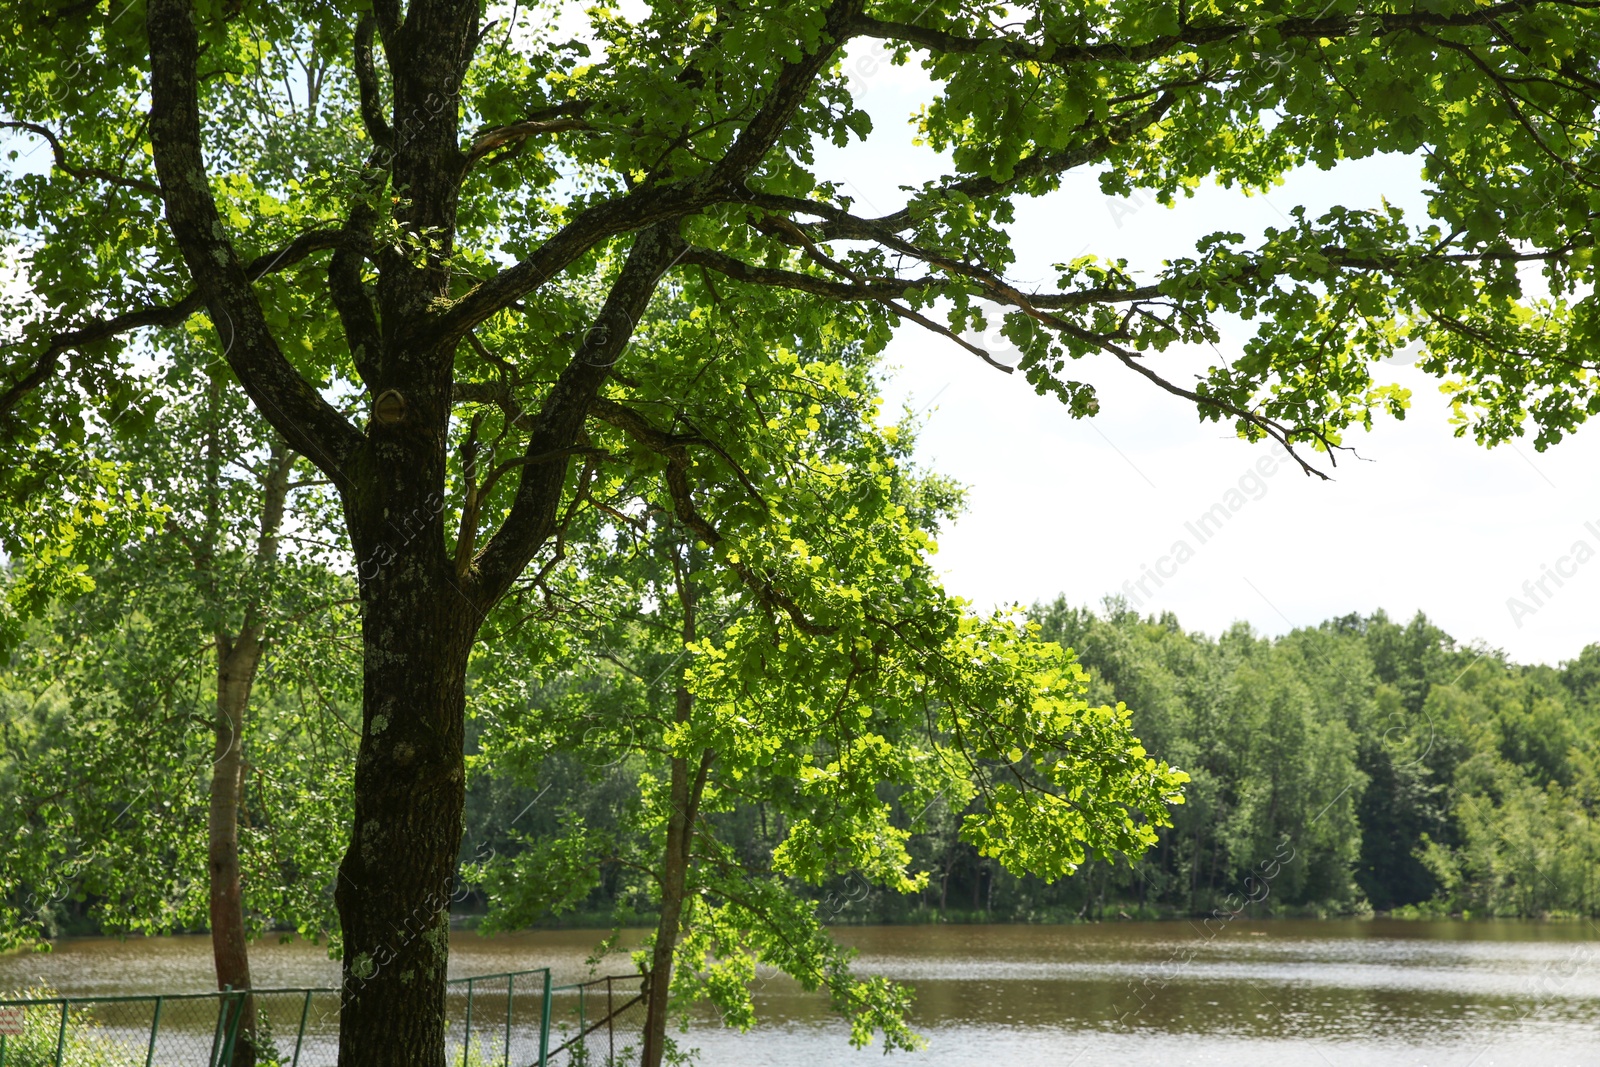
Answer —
85 1045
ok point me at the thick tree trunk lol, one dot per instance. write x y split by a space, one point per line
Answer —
420 610
396 879
236 668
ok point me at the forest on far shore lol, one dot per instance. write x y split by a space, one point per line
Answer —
1362 765
1359 766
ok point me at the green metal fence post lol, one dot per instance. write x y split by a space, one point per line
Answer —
155 1028
231 1005
230 1034
299 1037
544 1022
216 1032
511 982
61 1036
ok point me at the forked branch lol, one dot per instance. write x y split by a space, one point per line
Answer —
164 315
309 423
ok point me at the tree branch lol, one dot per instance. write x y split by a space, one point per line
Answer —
558 119
654 204
560 419
367 85
776 277
789 91
161 316
81 173
496 393
638 210
310 425
1062 54
841 225
944 331
675 448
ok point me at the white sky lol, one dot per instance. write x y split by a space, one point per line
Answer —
1426 521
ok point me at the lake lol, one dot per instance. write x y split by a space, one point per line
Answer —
1336 993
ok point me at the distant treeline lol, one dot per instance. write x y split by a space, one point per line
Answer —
1362 765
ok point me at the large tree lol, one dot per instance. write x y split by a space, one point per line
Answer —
423 206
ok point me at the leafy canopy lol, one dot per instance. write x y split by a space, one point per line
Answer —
840 698
110 732
590 125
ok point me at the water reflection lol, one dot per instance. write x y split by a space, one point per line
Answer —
1336 992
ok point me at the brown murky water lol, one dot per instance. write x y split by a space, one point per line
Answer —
1318 994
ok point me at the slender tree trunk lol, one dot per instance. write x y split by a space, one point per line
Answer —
684 798
397 876
236 668
238 657
674 878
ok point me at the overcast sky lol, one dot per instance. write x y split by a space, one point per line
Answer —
1423 521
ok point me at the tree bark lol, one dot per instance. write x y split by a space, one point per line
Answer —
684 798
236 668
396 879
419 612
238 657
674 878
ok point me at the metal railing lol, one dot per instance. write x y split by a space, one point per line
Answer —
512 1034
601 1022
504 1020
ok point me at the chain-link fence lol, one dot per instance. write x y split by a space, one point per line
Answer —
295 1027
182 1030
598 1023
516 1019
498 1020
